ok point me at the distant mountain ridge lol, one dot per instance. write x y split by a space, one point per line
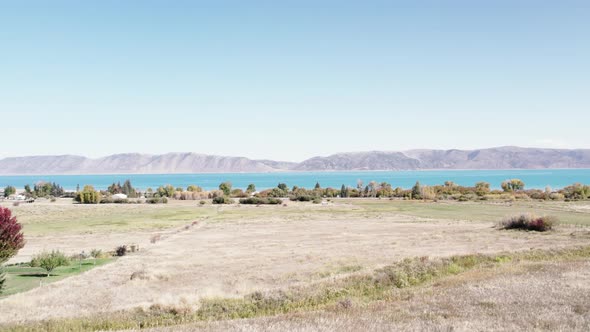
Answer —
508 157
135 163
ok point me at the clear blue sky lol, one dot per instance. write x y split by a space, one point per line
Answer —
291 79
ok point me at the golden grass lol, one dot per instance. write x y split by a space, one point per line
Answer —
382 284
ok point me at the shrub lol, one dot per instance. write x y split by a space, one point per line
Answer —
95 253
259 200
529 222
226 188
50 260
157 200
223 200
512 185
317 200
121 250
194 188
302 198
202 202
556 197
155 238
238 193
88 196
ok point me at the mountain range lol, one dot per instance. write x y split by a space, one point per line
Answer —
135 163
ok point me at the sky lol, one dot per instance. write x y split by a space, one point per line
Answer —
289 80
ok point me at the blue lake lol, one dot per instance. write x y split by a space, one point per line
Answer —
555 178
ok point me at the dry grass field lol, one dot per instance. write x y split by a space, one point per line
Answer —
228 252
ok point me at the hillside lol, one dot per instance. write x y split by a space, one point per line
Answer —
131 163
492 158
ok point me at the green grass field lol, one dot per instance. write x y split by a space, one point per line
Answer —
21 278
478 211
63 219
79 219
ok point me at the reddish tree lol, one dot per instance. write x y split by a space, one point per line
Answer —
11 235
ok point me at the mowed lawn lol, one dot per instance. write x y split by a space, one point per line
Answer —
22 277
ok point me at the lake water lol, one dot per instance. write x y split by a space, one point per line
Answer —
555 178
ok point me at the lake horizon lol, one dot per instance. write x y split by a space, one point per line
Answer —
533 178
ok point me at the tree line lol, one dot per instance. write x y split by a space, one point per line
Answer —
512 188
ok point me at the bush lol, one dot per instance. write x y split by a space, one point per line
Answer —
50 260
121 251
202 202
96 253
259 200
155 238
529 222
223 200
88 196
317 200
157 200
302 198
238 193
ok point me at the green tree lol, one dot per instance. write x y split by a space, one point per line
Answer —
9 190
50 261
512 185
482 188
251 188
166 191
114 188
226 188
128 189
88 196
343 191
417 191
317 186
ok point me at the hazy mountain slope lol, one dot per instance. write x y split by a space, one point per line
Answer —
374 160
501 158
42 164
492 158
286 165
131 163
